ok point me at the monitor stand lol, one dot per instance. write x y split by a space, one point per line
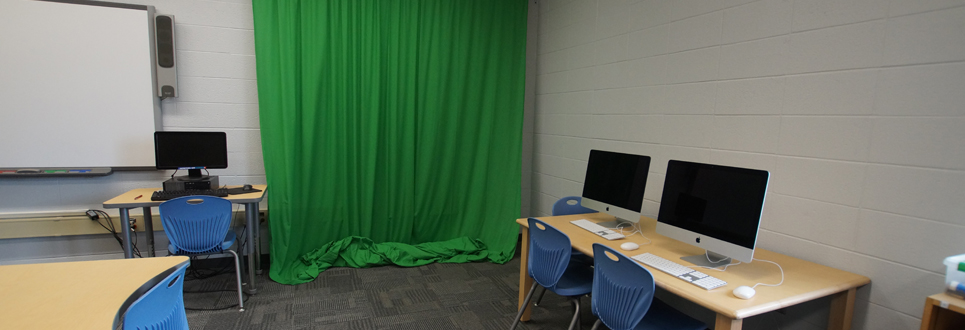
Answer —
616 224
701 260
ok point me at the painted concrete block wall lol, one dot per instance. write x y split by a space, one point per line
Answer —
855 107
216 75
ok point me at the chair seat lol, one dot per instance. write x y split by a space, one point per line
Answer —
229 240
580 257
577 280
663 317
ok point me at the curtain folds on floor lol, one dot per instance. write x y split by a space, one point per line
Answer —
387 125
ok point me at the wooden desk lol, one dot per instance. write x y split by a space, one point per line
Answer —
804 281
76 295
130 200
943 311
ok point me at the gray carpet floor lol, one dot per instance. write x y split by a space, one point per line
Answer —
474 296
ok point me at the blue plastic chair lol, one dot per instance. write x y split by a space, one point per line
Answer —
570 205
622 296
566 206
550 267
198 225
161 307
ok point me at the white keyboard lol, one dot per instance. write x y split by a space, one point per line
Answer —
680 271
597 229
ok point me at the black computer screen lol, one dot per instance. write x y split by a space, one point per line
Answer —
174 150
718 201
616 178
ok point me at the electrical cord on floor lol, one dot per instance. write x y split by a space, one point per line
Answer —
243 238
96 216
194 273
197 274
243 243
243 299
134 249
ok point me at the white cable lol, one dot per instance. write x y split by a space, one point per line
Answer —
707 255
778 266
739 262
636 230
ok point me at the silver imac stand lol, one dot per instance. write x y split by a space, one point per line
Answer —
616 224
701 260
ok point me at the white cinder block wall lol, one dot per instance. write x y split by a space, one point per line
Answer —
216 74
857 108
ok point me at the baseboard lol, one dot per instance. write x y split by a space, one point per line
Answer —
54 224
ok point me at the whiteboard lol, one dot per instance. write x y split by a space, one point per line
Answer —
76 85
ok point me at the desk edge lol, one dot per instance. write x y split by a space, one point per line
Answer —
859 281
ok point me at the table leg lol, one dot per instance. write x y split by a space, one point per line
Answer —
251 220
727 323
524 280
929 317
149 231
126 228
257 238
842 310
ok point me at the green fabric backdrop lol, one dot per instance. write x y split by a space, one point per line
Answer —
396 121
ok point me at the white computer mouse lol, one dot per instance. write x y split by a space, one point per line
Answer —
629 246
744 292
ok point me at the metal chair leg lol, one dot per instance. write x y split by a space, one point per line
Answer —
241 300
523 307
597 324
540 296
575 324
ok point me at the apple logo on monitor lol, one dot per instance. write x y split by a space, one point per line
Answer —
698 239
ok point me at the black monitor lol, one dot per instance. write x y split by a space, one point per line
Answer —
714 207
614 185
192 151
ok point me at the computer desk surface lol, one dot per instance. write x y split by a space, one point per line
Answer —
129 199
804 280
74 295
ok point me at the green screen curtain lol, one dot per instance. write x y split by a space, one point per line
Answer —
391 130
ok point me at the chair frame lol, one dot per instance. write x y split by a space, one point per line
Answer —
630 286
550 280
223 224
562 207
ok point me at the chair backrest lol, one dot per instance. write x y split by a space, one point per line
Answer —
622 289
196 224
549 253
570 205
161 307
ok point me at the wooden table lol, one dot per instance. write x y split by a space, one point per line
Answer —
142 198
804 281
76 295
943 311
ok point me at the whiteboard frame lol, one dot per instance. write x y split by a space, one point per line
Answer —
118 148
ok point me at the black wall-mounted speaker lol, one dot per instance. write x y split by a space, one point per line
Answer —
166 66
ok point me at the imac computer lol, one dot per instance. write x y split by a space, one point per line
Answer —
717 208
614 185
192 151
